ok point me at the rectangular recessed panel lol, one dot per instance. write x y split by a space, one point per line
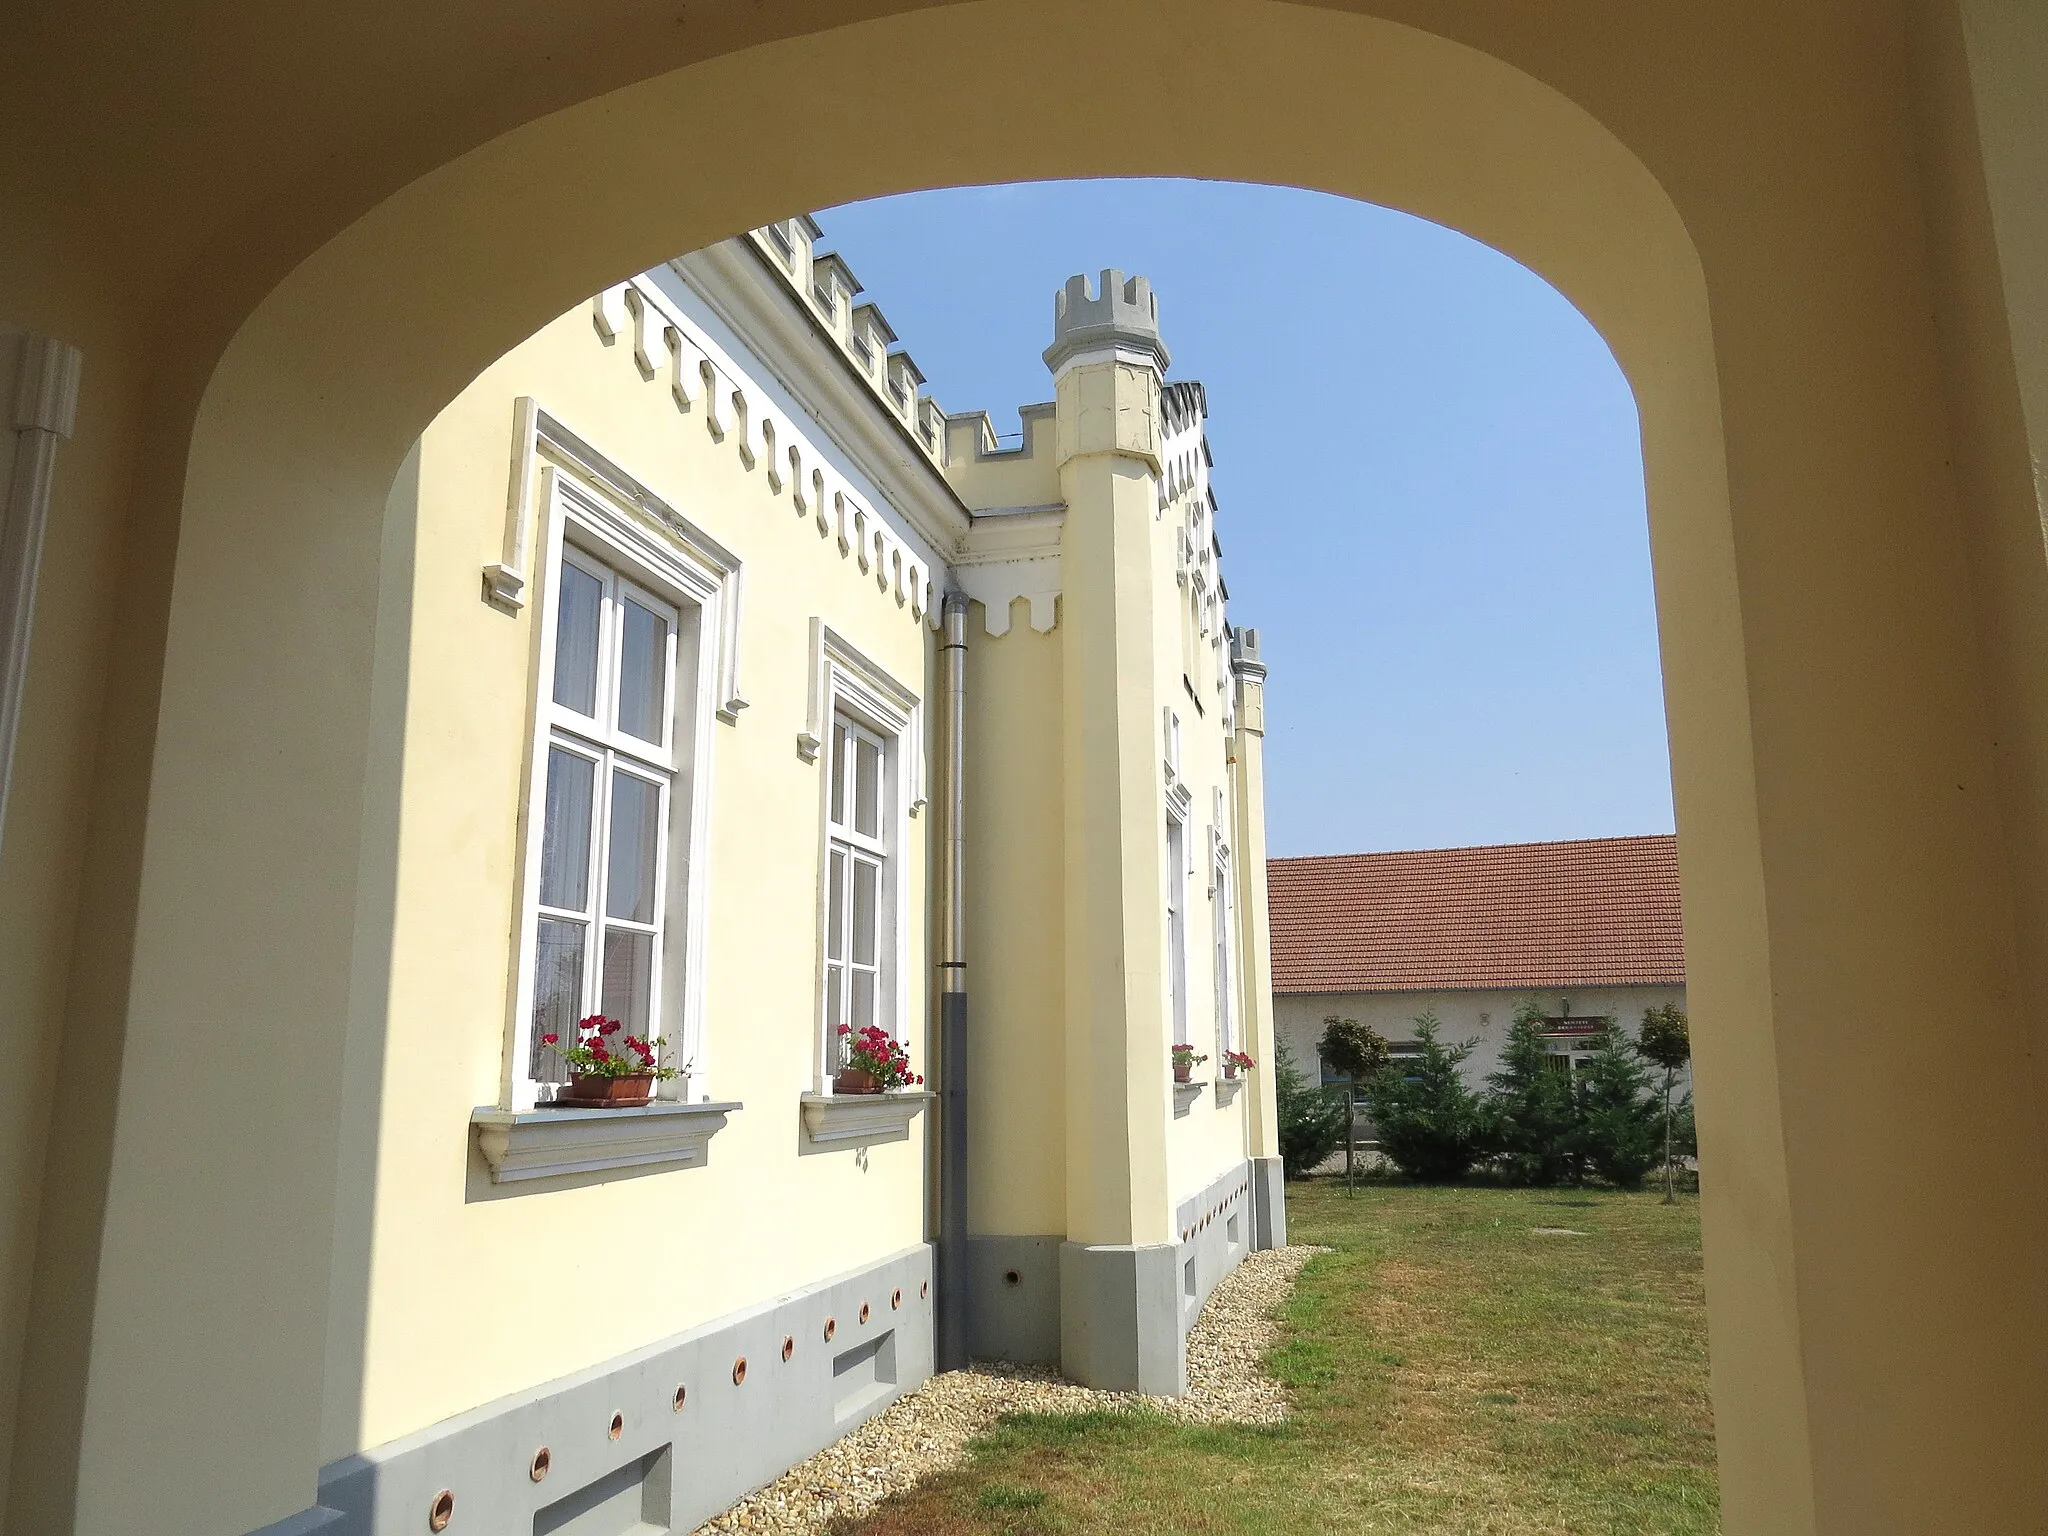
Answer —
863 1376
632 1500
1230 1232
1187 1277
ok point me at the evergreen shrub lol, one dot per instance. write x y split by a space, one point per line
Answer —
1311 1121
1536 1126
1431 1126
1624 1117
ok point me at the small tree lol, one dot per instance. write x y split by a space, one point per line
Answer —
1620 1106
1666 1039
1310 1120
1532 1109
1431 1125
1358 1051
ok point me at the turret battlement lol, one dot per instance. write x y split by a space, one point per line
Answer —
1122 316
825 284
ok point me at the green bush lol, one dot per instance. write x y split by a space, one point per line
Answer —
1431 1126
1624 1115
1534 1120
1311 1121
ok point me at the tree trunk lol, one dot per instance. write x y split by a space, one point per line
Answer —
1350 1127
1670 1197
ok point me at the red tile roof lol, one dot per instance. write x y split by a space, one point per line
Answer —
1602 912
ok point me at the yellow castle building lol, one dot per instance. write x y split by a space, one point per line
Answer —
751 703
283 239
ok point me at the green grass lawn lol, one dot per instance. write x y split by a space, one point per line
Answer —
1453 1372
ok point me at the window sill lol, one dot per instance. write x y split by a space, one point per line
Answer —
1184 1096
832 1118
547 1143
1226 1088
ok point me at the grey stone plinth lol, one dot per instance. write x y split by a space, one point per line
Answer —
1269 1203
1014 1305
1121 1317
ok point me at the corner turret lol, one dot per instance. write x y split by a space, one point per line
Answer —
1122 321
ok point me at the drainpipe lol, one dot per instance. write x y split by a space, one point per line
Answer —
952 945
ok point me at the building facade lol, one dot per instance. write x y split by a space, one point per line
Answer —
747 700
1586 931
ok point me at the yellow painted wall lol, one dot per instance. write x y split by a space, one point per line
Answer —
1015 925
471 1287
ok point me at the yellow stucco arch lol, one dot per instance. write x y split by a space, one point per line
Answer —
1820 890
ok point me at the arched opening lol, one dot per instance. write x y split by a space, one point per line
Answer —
274 733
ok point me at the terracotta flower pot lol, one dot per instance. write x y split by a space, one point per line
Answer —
1183 1071
611 1092
1229 1070
854 1080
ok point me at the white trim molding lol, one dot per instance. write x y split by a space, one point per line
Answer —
840 672
830 1119
705 568
552 1143
45 374
665 344
1013 553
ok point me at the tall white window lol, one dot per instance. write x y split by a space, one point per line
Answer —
1177 925
1224 908
860 905
601 903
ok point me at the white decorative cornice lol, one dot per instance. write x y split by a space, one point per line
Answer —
747 288
1010 554
704 380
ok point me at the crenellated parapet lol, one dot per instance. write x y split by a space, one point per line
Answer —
826 286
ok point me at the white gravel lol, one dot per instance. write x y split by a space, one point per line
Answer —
927 1431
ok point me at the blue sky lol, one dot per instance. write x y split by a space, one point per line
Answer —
1428 474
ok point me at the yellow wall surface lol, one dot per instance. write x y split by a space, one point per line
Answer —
462 1276
1808 228
1015 923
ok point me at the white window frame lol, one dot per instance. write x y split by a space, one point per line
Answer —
588 506
1178 866
1223 903
847 685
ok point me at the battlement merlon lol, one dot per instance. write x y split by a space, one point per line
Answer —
1245 659
1122 320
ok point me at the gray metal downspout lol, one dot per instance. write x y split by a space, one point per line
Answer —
952 945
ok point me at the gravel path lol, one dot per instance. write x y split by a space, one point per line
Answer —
927 1431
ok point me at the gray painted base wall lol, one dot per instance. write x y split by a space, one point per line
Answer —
1014 1305
669 1469
1117 1316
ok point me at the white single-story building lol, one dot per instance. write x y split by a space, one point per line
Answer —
1589 929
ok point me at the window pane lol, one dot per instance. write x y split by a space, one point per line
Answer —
577 609
557 994
839 772
867 879
867 788
565 833
635 833
643 674
863 1000
835 1010
628 980
835 908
